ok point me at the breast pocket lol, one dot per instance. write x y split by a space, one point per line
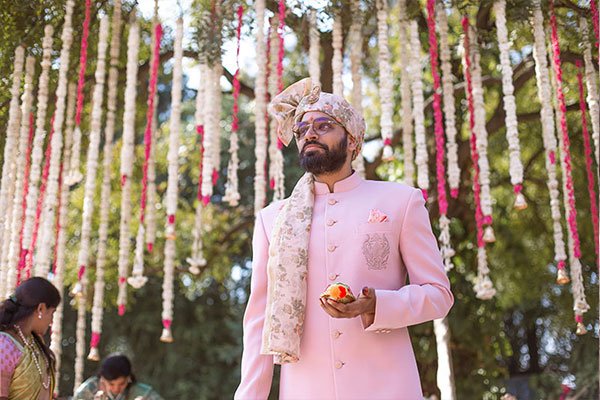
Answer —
376 241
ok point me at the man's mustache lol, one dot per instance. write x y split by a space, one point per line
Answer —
324 147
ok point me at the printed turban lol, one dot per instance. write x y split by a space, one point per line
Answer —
289 106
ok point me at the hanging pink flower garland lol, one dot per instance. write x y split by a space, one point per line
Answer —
21 265
138 279
594 8
572 212
446 247
483 284
588 156
75 175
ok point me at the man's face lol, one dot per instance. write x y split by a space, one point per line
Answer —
324 147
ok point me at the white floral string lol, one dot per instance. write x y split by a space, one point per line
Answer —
276 176
593 98
355 36
337 60
74 175
172 194
482 140
12 134
260 109
51 198
421 155
405 93
385 80
580 305
88 197
150 219
38 143
549 140
314 48
11 257
127 157
61 240
113 76
448 96
232 194
510 106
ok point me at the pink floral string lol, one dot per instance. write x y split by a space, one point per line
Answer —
595 21
588 155
38 212
572 212
83 61
200 131
149 117
22 256
437 110
473 140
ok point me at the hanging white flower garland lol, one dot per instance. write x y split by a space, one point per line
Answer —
61 241
127 157
89 191
314 48
38 140
260 109
448 97
405 92
337 61
276 177
593 97
549 140
580 305
12 133
482 140
211 126
232 194
355 36
172 194
197 260
510 106
385 81
11 257
418 109
44 250
150 219
113 76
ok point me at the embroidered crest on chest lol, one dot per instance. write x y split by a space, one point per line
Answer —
376 249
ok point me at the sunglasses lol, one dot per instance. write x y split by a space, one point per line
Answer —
320 126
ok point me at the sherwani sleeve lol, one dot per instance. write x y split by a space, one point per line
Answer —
428 295
257 369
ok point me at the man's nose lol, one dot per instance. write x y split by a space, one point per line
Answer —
311 134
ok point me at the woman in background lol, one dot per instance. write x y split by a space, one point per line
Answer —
26 362
115 381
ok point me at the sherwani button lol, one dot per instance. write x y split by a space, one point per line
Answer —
331 222
331 247
332 201
332 276
336 334
339 364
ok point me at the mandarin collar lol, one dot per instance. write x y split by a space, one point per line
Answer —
344 185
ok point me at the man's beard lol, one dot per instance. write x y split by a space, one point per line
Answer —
324 162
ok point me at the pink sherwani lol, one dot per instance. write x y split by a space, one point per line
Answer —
339 359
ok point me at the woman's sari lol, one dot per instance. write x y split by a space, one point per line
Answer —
91 390
19 376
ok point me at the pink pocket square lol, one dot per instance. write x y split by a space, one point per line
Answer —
377 216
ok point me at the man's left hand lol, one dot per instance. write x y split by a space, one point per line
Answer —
363 306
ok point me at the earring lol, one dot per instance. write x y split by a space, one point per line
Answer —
40 316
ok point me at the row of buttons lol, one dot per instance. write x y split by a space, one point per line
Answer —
383 330
333 276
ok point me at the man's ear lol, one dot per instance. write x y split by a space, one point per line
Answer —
352 143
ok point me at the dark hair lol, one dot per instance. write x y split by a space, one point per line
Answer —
23 303
116 366
27 297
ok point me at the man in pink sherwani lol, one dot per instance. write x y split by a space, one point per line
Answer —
338 227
